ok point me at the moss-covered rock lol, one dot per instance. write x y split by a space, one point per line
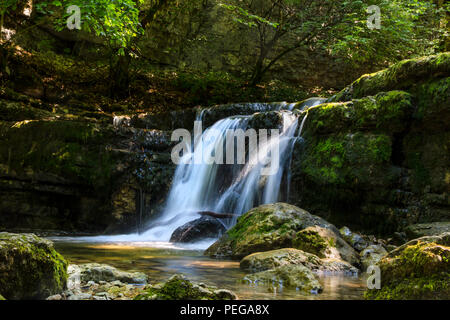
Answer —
290 276
384 112
418 269
30 268
402 75
262 261
2 298
325 243
180 288
371 255
264 228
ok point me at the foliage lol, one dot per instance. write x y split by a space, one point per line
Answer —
340 27
117 21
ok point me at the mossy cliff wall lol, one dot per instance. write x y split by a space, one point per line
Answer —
377 155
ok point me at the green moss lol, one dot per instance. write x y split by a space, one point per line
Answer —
400 76
418 271
34 268
348 158
310 241
179 288
2 298
71 149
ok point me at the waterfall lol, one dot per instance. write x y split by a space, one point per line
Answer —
226 188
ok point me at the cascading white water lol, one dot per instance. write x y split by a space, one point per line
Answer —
220 188
236 189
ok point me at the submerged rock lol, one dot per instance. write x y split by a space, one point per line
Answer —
102 272
30 268
262 261
180 288
204 227
371 255
291 276
427 229
267 227
419 269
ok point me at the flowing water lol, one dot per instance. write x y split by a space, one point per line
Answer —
162 260
222 188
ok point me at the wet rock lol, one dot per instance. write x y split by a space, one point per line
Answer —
371 255
290 276
427 229
325 244
102 272
262 261
180 288
419 269
30 268
354 239
264 228
204 227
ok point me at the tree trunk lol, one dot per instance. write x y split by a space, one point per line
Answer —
119 74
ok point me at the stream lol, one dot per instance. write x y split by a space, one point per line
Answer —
160 260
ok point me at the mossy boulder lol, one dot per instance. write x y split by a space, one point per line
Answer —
292 276
2 298
384 112
30 268
180 288
325 243
400 76
419 269
262 261
267 227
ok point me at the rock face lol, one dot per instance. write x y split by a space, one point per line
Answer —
290 276
427 229
180 288
376 155
281 225
418 269
30 268
78 174
204 227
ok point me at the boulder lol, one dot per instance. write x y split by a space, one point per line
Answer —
267 227
262 261
204 227
30 268
290 276
427 229
325 243
371 255
102 272
419 269
180 288
354 239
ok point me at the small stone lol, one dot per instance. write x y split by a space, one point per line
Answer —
55 297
